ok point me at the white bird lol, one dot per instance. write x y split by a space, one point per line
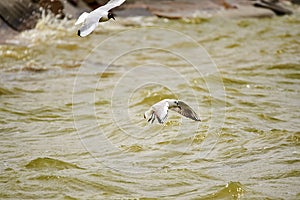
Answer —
90 20
160 110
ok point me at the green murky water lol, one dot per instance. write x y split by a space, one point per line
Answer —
72 109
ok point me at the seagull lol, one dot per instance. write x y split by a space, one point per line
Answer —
101 14
160 110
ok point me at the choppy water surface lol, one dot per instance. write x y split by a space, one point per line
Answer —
72 110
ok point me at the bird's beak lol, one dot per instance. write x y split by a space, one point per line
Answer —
113 17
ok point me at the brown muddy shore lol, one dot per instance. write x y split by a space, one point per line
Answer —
19 15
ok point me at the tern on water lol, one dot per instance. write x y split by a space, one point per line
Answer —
91 20
160 110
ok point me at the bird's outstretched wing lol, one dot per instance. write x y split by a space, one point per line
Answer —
186 111
112 4
87 28
161 111
81 18
107 7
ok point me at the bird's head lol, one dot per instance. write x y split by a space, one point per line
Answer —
111 16
173 103
176 102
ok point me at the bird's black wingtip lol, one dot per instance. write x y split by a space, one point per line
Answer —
197 119
78 33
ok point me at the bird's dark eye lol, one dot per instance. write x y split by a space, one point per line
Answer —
110 15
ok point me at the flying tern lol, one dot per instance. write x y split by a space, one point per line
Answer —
91 20
160 110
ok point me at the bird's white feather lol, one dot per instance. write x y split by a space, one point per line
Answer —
86 29
161 110
81 18
112 4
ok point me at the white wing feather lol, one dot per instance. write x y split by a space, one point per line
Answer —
107 7
161 110
81 18
87 28
112 4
